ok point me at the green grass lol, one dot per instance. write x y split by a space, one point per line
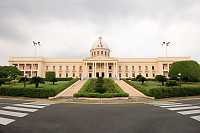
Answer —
47 85
153 84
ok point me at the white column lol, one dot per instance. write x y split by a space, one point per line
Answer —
116 71
92 69
104 70
114 68
95 70
107 70
86 70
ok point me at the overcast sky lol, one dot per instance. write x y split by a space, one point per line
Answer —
68 28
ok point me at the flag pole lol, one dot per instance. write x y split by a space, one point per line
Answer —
100 55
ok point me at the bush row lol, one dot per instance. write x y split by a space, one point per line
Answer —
137 87
166 92
34 92
98 95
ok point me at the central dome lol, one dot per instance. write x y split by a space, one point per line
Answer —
100 48
98 45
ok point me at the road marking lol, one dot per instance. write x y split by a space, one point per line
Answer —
5 121
196 117
184 108
189 112
20 109
29 106
179 105
40 103
11 113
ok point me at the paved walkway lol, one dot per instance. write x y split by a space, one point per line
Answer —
68 92
129 89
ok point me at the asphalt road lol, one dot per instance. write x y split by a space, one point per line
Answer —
98 118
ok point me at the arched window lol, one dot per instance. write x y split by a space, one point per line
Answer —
105 53
92 53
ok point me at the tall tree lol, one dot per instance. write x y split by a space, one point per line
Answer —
9 71
188 69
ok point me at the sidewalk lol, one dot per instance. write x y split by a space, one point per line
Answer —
129 89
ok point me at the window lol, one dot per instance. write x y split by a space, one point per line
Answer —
66 75
36 67
47 68
60 67
108 54
102 52
152 67
80 75
30 67
146 67
90 67
94 53
80 68
110 67
74 75
60 74
29 75
132 67
147 75
126 67
133 74
120 75
139 67
140 74
97 52
105 52
120 67
127 75
67 67
54 68
73 67
153 74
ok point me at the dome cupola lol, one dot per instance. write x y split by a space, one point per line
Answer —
100 47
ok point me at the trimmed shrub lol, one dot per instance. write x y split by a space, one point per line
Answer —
176 91
37 80
98 95
64 79
171 83
142 79
50 75
161 79
34 92
14 81
138 76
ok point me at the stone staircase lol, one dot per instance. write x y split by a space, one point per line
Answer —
129 89
68 92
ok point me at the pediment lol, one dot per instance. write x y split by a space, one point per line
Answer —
102 57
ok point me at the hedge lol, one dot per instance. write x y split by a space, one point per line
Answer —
176 91
88 90
34 92
98 95
137 87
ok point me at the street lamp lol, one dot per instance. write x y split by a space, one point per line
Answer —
25 76
167 44
179 79
35 44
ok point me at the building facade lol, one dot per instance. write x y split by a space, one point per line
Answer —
99 64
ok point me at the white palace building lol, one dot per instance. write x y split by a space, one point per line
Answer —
98 64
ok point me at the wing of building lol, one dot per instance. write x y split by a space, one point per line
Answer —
98 64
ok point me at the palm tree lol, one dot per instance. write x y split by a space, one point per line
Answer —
36 81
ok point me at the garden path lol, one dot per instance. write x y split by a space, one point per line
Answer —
129 89
68 92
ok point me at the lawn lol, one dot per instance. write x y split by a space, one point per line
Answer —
47 85
153 84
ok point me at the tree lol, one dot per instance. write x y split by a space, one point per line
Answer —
9 71
161 79
49 75
138 76
53 80
142 79
1 81
188 69
36 81
99 86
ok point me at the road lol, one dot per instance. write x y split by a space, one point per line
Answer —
35 117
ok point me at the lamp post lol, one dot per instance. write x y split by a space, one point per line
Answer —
167 44
25 76
179 79
35 44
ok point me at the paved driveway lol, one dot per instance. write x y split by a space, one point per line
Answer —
98 118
